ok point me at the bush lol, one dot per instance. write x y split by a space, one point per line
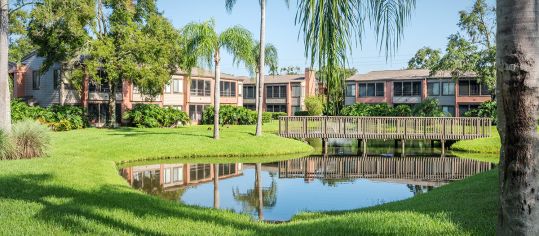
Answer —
6 146
234 115
358 109
58 117
428 108
314 105
402 110
154 116
301 113
276 115
486 109
31 139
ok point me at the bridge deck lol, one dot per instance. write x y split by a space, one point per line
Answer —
405 128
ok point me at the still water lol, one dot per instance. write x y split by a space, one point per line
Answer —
277 191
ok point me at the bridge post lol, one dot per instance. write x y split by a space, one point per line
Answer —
324 146
364 144
403 144
359 147
443 147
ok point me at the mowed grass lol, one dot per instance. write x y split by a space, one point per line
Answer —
77 190
490 145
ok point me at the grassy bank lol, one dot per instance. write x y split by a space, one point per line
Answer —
481 145
77 190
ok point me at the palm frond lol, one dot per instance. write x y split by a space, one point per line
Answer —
238 41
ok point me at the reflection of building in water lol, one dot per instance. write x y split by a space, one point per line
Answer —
169 177
429 169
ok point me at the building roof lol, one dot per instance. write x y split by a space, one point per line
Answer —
200 72
402 75
279 79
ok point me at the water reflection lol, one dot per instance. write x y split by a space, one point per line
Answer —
277 191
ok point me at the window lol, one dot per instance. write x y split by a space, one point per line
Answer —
276 91
296 91
449 110
228 89
227 169
167 177
195 112
371 89
351 90
36 80
177 86
199 172
448 88
249 92
250 106
433 89
472 88
177 174
276 108
295 109
168 88
56 78
407 89
200 87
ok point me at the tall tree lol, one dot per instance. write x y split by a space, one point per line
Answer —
517 44
424 58
204 43
5 110
330 27
19 16
271 61
261 60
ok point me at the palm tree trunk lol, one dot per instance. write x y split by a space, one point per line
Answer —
258 189
5 109
518 110
217 95
256 91
261 64
216 202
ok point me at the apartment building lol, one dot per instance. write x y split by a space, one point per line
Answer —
190 94
410 87
282 93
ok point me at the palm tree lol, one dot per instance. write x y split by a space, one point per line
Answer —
517 45
5 110
258 198
260 79
204 43
331 27
216 201
271 60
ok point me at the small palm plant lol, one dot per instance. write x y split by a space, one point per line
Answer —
203 43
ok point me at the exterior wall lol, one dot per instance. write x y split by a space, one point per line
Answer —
46 95
172 98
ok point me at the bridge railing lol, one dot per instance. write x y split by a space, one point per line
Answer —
429 128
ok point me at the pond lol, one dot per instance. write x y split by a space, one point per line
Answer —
278 191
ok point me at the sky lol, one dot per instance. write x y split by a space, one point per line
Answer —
430 25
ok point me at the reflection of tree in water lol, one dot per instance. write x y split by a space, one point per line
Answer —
418 189
335 182
250 201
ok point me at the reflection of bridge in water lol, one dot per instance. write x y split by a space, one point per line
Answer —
416 170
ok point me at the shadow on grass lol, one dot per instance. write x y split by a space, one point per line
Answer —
119 208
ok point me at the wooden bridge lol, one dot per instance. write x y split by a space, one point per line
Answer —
384 128
425 128
425 170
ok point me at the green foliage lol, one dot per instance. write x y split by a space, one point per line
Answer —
6 146
276 115
314 105
57 117
330 27
301 113
154 116
31 139
267 117
424 58
428 108
486 109
230 115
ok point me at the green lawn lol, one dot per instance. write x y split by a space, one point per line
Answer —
77 190
480 145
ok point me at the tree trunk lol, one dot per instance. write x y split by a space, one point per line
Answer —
5 102
256 92
261 64
217 95
258 189
517 61
216 203
111 121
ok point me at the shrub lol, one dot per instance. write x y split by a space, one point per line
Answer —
154 116
31 139
381 109
301 113
276 115
314 105
234 115
6 146
58 117
486 109
428 108
358 109
402 110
